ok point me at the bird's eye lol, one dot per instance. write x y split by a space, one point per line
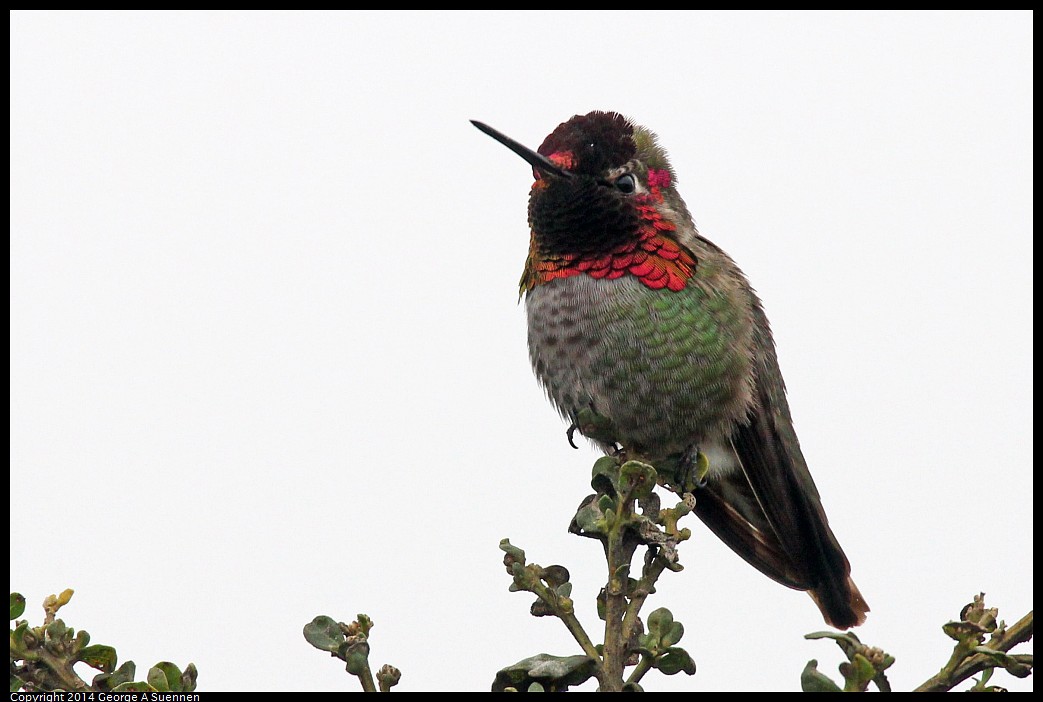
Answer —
626 184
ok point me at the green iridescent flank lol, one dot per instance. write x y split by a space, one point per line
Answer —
680 341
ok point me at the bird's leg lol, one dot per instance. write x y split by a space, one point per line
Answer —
692 468
593 426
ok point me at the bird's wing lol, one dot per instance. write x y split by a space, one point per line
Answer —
770 512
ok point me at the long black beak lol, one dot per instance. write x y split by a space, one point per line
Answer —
537 161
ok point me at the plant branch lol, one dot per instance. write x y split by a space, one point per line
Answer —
568 616
955 671
642 667
651 574
365 676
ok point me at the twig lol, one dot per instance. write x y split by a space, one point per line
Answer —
956 672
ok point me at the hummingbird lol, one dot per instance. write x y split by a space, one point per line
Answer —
649 338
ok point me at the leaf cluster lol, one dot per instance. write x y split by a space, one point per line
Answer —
43 658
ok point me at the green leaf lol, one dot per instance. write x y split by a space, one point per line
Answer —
324 633
812 680
880 679
589 519
511 554
553 673
659 622
165 677
846 636
540 608
157 678
848 642
556 575
675 660
861 672
1009 663
82 639
603 475
188 678
674 634
56 630
18 640
110 681
964 631
99 657
637 478
357 660
355 653
17 605
16 683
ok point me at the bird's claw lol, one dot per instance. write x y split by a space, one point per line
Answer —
570 433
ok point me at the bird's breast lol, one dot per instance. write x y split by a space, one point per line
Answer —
668 368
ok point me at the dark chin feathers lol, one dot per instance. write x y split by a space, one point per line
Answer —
579 216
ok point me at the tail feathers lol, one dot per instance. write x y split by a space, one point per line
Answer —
841 604
731 511
770 513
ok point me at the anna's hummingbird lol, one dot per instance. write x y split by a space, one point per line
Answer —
643 328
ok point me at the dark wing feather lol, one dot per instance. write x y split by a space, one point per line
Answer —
770 513
790 504
731 511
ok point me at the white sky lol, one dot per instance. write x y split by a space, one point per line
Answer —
267 360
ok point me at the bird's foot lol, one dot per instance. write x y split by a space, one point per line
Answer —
593 426
692 469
